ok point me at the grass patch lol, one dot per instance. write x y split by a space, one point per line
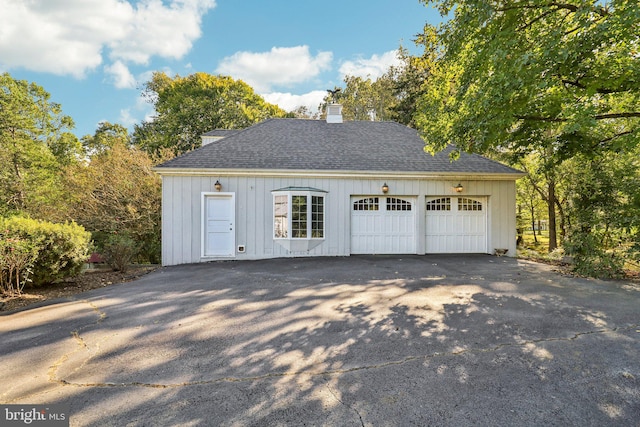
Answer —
541 245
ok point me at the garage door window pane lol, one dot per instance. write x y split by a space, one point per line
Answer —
465 204
367 204
442 204
394 204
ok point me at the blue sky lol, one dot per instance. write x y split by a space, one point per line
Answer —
93 56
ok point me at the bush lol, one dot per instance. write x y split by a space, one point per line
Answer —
58 250
17 257
592 259
119 251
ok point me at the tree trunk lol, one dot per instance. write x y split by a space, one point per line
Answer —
551 204
19 197
563 220
533 223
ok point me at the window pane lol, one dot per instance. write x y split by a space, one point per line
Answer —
299 216
317 217
368 204
443 204
395 204
280 224
465 204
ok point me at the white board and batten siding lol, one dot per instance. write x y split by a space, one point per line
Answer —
184 221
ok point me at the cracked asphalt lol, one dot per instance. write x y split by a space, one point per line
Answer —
357 341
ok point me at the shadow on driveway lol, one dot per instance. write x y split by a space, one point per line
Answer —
363 340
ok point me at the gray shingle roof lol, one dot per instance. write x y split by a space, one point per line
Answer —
299 144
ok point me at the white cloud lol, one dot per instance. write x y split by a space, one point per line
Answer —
68 37
121 76
373 67
290 102
126 119
281 66
155 29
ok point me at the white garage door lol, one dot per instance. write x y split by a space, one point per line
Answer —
383 225
456 225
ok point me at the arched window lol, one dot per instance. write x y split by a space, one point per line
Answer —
465 204
367 204
395 204
441 204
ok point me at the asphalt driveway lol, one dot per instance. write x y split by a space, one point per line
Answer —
357 341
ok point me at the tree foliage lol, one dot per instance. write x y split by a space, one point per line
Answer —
117 192
411 76
187 107
392 96
604 212
35 145
556 80
106 136
366 99
511 75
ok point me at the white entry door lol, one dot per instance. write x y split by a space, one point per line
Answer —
456 225
219 225
383 225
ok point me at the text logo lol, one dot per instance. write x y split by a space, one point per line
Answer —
34 415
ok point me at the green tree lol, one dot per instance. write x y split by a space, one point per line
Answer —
187 107
365 99
303 112
35 145
561 79
529 206
544 178
514 75
116 193
410 78
392 96
604 211
106 136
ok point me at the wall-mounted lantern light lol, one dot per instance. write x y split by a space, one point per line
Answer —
385 188
458 188
217 185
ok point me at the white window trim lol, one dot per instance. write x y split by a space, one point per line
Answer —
299 244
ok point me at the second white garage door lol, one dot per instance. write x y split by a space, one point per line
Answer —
383 225
456 225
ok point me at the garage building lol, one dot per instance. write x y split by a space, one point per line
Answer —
297 187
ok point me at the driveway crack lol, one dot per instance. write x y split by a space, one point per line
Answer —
81 345
344 404
275 375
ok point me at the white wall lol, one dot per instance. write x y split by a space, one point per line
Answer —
182 222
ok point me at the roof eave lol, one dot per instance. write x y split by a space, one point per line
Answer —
305 173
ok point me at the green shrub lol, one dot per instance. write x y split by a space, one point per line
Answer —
119 251
60 250
17 257
591 258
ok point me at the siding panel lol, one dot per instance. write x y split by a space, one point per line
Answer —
182 222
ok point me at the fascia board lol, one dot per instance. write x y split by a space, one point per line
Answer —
480 176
